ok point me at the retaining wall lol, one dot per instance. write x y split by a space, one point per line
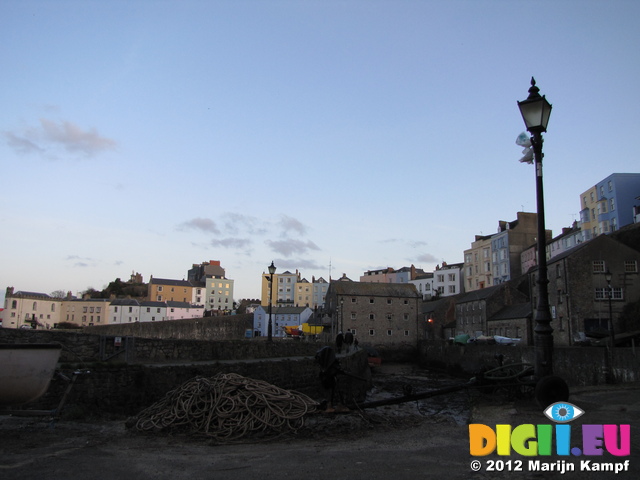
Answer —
578 366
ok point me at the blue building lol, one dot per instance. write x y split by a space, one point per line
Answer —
616 197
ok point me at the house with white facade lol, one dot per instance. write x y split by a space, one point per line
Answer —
124 310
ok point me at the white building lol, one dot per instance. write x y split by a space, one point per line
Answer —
124 310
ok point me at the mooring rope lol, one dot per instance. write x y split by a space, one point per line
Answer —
227 407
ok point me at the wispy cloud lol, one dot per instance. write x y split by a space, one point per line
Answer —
231 243
291 246
50 135
203 224
236 222
290 224
426 258
81 262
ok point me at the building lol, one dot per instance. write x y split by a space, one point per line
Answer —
377 313
151 311
609 205
475 309
281 317
569 238
211 287
292 290
124 310
477 264
390 275
86 311
579 293
447 279
30 310
424 285
219 294
183 310
319 292
168 290
495 259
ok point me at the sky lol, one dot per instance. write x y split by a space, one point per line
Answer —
332 137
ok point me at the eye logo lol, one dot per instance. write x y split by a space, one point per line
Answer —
563 412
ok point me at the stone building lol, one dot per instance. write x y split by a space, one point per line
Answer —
376 313
579 292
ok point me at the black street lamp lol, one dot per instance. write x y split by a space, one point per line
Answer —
535 112
342 315
608 276
272 270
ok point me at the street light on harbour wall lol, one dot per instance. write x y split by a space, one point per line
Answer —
272 270
535 112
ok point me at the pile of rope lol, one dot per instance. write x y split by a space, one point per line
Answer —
227 407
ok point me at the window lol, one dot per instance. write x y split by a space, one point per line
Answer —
148 309
452 277
630 266
160 288
371 300
372 332
612 204
389 332
354 300
598 266
610 185
405 316
372 316
353 316
602 293
389 301
406 333
452 289
389 316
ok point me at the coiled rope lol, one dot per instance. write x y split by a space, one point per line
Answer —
227 407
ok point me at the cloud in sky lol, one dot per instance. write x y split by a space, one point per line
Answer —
51 134
81 262
236 222
231 243
204 224
291 246
290 224
427 258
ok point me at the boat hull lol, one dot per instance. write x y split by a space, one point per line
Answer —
26 370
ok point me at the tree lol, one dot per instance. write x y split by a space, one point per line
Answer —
58 294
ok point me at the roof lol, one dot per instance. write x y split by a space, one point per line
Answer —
125 302
480 294
510 312
167 281
375 289
183 305
32 294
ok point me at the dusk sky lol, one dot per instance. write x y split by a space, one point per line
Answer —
148 136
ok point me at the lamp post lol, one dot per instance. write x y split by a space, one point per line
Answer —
342 314
608 276
535 112
272 270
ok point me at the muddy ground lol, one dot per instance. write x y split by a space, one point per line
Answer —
423 439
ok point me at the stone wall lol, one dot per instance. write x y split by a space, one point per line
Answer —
81 348
578 366
128 389
228 327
